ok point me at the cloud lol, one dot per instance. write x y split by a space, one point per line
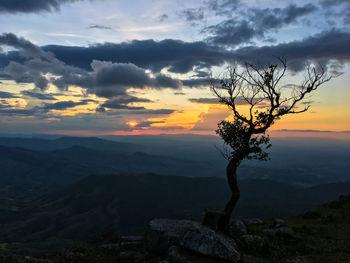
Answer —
255 23
146 124
205 100
121 102
321 48
197 82
223 7
28 49
37 95
94 26
7 95
320 131
106 79
208 121
163 17
182 57
17 111
109 79
193 14
128 61
176 55
142 112
238 101
31 6
169 128
62 105
337 8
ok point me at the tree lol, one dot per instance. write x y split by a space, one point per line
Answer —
261 89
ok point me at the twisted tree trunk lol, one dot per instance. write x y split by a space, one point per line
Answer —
231 173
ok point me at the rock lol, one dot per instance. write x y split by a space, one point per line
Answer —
252 240
131 245
163 233
109 246
180 255
240 226
295 260
252 221
211 218
131 257
277 222
285 232
36 260
74 255
132 238
252 259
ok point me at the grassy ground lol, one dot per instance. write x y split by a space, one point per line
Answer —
326 230
319 236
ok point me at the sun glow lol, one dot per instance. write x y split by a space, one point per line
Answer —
132 123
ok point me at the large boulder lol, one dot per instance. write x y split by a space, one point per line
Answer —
180 255
190 235
252 221
240 226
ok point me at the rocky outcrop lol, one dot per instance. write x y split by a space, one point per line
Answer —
252 221
240 226
180 255
191 237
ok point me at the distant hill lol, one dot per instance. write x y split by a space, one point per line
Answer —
297 161
300 161
125 203
33 170
67 142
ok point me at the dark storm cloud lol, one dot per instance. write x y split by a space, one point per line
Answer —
321 48
232 32
198 82
7 95
106 79
178 55
76 65
40 96
31 6
62 105
255 24
122 102
17 111
342 5
27 48
128 74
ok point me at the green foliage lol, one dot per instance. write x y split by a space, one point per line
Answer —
238 136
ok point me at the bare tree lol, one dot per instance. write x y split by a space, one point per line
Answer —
266 100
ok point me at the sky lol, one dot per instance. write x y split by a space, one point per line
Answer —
96 67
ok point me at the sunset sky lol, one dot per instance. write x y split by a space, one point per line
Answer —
98 67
